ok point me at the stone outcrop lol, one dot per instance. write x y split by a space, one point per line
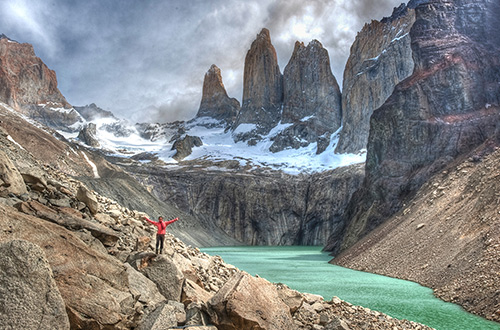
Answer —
380 58
259 208
11 181
29 86
88 135
24 78
312 99
215 102
184 146
246 302
305 100
448 106
92 112
29 296
262 88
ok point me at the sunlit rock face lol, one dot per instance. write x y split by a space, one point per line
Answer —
312 99
215 102
380 58
30 87
448 106
24 78
262 87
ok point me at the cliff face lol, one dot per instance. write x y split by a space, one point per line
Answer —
30 87
215 103
380 58
262 86
259 208
312 99
448 106
24 78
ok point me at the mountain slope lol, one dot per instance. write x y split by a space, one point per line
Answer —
447 237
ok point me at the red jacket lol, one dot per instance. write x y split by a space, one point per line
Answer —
161 225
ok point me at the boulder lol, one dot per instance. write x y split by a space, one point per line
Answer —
163 317
11 181
192 292
184 146
35 181
29 295
196 315
84 195
143 289
107 236
292 298
247 302
88 135
163 271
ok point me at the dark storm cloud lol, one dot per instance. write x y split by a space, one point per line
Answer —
145 60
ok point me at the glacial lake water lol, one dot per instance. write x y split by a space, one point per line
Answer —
306 269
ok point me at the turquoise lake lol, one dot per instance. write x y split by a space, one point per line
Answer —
306 269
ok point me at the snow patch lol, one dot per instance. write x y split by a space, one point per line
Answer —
13 141
218 145
244 128
94 167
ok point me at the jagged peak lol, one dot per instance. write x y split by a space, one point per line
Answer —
315 43
214 70
298 45
3 36
264 34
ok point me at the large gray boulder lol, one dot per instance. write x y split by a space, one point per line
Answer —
163 271
247 302
29 296
11 180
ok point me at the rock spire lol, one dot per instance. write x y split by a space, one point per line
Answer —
262 86
215 102
312 99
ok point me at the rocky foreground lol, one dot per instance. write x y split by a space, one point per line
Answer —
71 258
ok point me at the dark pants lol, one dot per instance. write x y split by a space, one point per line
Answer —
159 242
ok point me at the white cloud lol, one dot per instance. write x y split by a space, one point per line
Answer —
132 57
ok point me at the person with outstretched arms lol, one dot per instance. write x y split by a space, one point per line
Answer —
160 234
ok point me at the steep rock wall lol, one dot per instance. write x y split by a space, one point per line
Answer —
380 58
30 87
260 208
262 86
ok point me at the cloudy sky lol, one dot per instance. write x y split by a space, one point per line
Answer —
145 60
